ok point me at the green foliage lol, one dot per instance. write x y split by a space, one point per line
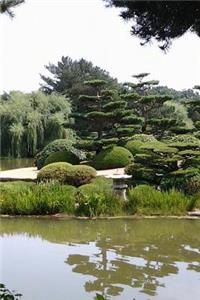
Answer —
29 121
64 156
168 164
164 31
6 294
93 202
144 199
99 297
112 157
36 199
192 185
54 171
137 141
56 146
98 116
69 77
79 175
157 114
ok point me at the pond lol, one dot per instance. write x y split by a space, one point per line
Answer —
15 163
122 259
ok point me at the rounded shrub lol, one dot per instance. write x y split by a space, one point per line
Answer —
110 158
55 171
74 154
134 147
137 141
79 175
61 156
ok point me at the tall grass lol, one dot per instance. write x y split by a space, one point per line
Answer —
146 200
20 198
91 200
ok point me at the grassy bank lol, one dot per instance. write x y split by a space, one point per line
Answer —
91 200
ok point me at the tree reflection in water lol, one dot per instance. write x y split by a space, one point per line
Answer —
139 254
136 262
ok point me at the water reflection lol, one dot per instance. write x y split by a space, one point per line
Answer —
139 254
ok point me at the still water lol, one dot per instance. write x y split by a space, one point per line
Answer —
15 163
146 259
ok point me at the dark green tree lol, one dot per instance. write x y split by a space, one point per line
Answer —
150 108
160 20
193 105
6 6
103 119
68 76
169 164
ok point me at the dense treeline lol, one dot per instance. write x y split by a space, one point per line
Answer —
83 99
30 121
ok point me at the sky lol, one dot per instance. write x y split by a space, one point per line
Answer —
45 30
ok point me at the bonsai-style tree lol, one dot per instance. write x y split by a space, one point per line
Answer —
149 107
103 119
174 161
193 106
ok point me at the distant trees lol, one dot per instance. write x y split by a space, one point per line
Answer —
29 121
160 20
68 76
6 6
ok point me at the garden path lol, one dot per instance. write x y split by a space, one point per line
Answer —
30 174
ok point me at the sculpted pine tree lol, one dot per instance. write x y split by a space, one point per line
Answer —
193 106
103 119
150 108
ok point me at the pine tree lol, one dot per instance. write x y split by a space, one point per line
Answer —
103 119
7 5
151 108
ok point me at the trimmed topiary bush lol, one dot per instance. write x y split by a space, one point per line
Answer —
55 171
134 147
74 154
110 158
61 156
79 175
137 141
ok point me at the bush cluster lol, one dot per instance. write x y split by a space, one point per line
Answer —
55 171
91 200
61 156
71 154
112 157
22 198
79 175
66 173
139 140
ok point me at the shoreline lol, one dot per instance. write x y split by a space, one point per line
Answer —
133 217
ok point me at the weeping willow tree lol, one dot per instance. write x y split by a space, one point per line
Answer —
55 127
16 131
30 121
34 132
